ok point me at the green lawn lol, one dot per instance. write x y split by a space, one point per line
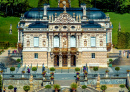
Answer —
5 26
124 20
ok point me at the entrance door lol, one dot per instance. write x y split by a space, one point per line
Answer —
64 60
73 60
56 60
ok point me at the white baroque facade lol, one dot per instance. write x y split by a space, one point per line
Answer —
57 38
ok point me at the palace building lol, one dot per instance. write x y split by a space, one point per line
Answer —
64 36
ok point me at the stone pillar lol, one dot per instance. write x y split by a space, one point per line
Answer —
69 60
60 60
52 41
60 40
77 40
98 83
31 82
68 40
76 60
52 60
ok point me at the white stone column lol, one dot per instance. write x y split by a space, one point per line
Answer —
77 40
52 41
68 40
49 42
60 40
69 61
60 60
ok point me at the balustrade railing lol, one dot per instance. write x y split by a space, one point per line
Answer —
94 29
36 29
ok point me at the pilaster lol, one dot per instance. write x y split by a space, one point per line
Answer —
60 60
60 40
68 40
69 60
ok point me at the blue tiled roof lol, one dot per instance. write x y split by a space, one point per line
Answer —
91 24
38 24
92 13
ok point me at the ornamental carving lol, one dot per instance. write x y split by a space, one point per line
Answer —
101 43
85 43
64 18
64 42
28 43
44 43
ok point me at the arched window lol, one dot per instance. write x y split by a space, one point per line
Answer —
56 41
72 41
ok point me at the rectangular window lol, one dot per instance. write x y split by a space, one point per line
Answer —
36 41
36 55
93 55
93 42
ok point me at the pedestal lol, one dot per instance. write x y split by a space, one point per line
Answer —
127 74
106 74
22 76
52 82
86 78
98 85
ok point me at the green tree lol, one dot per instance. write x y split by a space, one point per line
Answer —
10 87
74 3
95 69
84 87
117 69
48 87
26 88
87 2
53 3
103 88
122 86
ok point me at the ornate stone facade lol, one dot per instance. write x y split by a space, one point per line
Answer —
65 39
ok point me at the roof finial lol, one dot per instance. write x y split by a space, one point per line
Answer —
64 3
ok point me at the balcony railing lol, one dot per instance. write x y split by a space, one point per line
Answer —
94 29
64 49
36 29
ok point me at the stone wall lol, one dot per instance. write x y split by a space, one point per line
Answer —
28 58
20 83
100 58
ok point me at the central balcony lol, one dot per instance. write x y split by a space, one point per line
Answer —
64 50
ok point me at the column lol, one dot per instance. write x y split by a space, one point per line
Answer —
52 60
69 60
60 40
77 64
49 42
60 60
52 41
77 40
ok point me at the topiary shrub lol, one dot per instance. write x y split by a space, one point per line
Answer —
10 87
18 60
77 69
52 69
26 88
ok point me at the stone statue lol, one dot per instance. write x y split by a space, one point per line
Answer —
98 78
85 43
64 3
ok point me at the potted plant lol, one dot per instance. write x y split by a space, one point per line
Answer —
18 60
52 69
84 87
95 69
12 69
74 87
44 73
26 88
48 87
117 69
23 74
85 73
51 73
107 71
10 87
34 69
77 69
52 77
1 71
122 86
77 73
103 88
56 87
